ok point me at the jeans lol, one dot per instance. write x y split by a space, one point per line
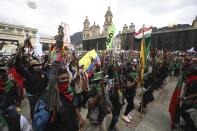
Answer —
129 95
115 111
32 102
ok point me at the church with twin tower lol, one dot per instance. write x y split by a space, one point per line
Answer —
93 37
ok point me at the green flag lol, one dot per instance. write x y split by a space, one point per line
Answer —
110 35
144 33
147 54
147 50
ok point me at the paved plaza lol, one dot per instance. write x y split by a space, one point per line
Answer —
156 119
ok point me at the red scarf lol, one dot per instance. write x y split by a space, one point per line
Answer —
18 78
190 79
63 89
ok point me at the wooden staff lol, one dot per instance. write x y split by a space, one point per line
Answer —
53 103
142 79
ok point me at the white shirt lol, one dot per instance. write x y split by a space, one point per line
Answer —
24 124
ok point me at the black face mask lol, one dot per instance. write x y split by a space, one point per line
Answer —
37 68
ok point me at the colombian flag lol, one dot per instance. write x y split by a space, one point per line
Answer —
86 60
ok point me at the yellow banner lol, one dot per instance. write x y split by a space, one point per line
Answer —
86 59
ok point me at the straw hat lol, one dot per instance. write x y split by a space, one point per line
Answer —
35 62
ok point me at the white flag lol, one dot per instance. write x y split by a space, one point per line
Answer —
66 33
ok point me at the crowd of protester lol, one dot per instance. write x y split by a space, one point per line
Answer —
102 91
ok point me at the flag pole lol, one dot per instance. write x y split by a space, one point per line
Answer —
142 72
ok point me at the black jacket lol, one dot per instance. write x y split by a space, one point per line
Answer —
35 82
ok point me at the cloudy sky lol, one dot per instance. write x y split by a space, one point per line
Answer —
49 13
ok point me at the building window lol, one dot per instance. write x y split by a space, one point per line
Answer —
2 27
94 33
27 35
15 43
45 46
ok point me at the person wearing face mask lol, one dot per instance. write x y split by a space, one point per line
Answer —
10 119
68 118
35 80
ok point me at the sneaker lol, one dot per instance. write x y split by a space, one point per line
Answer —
126 119
130 118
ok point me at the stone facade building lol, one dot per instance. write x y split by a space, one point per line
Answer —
194 24
117 43
127 37
92 36
91 32
178 37
16 34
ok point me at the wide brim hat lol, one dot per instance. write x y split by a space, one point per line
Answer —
35 63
